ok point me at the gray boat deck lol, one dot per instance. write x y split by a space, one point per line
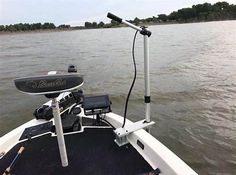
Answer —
90 152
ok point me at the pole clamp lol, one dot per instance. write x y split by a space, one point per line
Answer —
147 99
145 31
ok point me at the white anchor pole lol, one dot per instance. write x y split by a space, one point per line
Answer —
59 130
146 78
146 34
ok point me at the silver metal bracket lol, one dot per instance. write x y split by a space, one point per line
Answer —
120 141
122 133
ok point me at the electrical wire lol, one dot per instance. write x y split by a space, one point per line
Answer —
104 120
132 85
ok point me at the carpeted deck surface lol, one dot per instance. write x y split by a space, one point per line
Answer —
91 152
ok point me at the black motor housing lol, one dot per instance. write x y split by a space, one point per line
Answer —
45 111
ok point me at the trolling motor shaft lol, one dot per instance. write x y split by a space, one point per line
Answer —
59 131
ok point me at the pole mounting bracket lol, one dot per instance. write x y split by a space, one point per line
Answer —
122 133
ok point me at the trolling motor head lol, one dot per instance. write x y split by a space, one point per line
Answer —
47 85
51 86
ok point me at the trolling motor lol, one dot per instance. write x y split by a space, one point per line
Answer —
122 132
51 86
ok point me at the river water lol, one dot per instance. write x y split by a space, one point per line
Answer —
193 82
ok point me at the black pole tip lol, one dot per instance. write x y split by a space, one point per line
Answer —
114 17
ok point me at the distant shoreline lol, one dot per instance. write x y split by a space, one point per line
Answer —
36 31
120 26
206 12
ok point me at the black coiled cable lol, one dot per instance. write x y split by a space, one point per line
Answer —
132 85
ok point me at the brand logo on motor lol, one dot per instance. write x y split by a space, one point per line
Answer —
40 84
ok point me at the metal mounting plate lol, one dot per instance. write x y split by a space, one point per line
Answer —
121 132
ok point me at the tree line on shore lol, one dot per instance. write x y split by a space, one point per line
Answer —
202 12
196 13
31 27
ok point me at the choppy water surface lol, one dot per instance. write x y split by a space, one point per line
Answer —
193 82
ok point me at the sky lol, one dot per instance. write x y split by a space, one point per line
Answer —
76 12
